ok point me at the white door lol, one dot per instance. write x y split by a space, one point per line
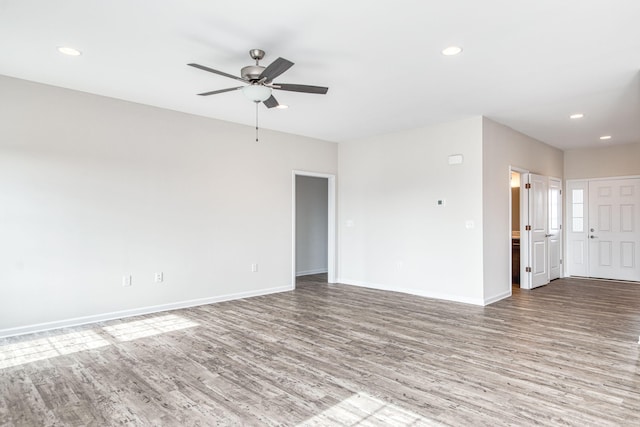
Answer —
538 196
614 229
554 228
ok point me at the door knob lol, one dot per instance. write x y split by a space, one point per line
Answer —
592 230
548 235
593 237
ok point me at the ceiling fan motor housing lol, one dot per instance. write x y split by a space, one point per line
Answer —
251 72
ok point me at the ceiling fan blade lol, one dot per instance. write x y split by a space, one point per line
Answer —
301 88
214 92
221 73
270 102
274 69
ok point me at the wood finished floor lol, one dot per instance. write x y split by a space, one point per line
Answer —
563 354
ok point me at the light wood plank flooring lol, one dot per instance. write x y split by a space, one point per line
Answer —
563 354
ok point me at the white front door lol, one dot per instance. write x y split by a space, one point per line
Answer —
614 229
538 222
554 228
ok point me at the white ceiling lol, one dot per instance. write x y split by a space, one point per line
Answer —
526 64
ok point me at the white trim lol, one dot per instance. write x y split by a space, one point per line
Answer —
604 178
412 291
308 272
77 321
497 298
331 223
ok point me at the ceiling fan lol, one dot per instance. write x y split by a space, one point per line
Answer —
259 80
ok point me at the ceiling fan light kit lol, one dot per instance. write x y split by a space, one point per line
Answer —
259 81
256 93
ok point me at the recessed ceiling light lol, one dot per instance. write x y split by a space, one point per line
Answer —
576 116
282 106
69 51
605 137
451 50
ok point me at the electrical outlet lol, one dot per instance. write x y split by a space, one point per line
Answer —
126 280
254 268
159 277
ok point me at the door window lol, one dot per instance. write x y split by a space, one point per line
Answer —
577 211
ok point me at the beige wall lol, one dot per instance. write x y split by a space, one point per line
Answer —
392 233
502 148
602 162
93 188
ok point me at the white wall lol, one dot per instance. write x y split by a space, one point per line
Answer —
503 147
602 162
392 233
93 188
311 224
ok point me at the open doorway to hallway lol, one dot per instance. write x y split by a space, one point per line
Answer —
311 225
314 226
515 229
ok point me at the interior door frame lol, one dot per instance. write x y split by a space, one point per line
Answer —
524 241
331 223
526 277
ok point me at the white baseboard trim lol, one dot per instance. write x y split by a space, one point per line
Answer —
77 321
497 298
308 272
413 291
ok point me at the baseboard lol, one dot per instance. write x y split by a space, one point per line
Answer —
412 291
41 327
496 298
308 272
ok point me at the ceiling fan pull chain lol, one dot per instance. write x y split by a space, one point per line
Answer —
256 121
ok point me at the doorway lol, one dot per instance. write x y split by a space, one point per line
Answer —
313 225
536 229
604 228
515 229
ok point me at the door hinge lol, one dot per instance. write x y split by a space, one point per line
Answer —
528 269
527 227
527 186
560 262
561 192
